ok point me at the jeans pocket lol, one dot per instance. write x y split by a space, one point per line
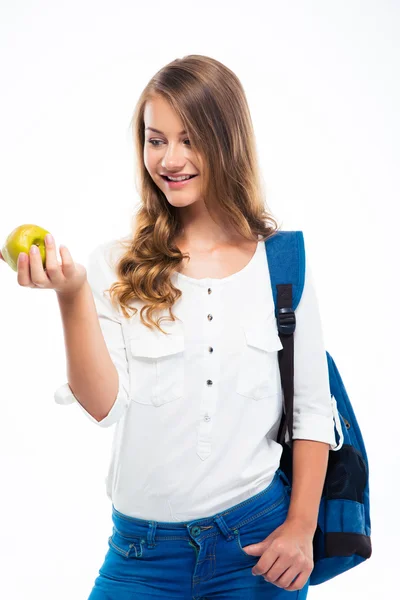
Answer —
126 546
257 529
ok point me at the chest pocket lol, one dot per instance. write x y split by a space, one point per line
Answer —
259 375
156 367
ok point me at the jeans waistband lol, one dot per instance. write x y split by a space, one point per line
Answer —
226 520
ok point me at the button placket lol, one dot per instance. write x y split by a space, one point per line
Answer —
208 402
210 348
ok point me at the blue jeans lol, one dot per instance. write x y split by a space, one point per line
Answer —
200 559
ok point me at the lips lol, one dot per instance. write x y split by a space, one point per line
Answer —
166 176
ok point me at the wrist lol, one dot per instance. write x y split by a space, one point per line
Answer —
71 297
307 525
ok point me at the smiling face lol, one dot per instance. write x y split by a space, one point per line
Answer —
167 151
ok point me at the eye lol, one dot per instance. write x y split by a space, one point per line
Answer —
155 143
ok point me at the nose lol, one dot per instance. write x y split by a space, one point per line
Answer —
174 158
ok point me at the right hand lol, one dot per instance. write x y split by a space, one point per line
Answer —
66 278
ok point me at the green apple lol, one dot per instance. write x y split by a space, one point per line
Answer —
20 240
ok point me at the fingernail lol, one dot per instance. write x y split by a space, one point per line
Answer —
49 238
34 249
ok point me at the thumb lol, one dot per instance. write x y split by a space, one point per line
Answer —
254 549
259 548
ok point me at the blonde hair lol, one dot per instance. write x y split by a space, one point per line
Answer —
211 102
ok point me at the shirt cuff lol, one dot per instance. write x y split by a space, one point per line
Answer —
319 428
64 395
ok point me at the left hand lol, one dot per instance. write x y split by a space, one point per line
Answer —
285 554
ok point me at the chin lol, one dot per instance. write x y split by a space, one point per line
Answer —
181 202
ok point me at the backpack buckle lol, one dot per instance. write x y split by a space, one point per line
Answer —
286 321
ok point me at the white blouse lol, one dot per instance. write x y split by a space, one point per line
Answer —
198 411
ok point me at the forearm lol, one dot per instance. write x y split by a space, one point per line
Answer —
91 373
310 463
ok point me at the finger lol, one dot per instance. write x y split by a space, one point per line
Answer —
266 561
68 265
300 582
52 265
287 577
1 256
24 277
279 569
38 276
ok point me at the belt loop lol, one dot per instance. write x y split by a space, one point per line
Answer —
219 519
151 534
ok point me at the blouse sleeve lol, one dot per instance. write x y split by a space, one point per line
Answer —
100 278
315 413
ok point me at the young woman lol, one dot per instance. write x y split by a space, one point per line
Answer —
182 356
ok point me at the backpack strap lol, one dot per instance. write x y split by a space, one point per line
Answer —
286 262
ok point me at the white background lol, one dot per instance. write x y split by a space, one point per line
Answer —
322 82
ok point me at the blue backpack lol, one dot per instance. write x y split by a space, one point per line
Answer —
342 537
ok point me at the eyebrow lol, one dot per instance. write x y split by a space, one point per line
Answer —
158 131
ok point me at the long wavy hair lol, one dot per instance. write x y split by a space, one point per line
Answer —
211 102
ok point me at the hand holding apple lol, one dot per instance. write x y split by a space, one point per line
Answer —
20 240
28 252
